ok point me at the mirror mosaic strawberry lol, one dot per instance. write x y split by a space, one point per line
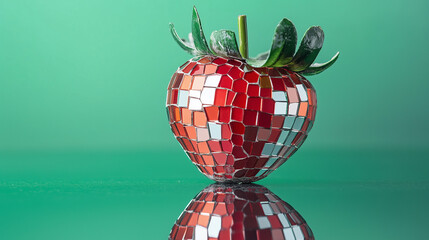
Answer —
239 118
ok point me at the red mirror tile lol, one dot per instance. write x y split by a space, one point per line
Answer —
226 131
220 97
254 103
250 133
223 69
237 139
288 82
212 113
237 114
214 146
189 67
251 77
278 84
253 90
239 86
266 92
225 114
264 120
250 117
236 73
220 61
240 100
237 127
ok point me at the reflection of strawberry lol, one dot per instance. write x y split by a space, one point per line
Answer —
240 118
228 212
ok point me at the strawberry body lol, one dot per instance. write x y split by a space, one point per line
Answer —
239 117
238 212
238 123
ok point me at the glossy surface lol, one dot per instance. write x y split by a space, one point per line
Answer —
123 195
239 212
235 122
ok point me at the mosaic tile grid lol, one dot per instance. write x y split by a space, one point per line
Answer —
235 122
238 212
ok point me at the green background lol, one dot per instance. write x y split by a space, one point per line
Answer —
85 147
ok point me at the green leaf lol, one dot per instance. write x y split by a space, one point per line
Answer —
282 48
224 43
310 46
182 43
290 39
199 39
317 68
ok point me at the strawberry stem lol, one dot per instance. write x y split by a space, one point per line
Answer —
242 36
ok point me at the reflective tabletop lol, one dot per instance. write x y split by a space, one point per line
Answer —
325 194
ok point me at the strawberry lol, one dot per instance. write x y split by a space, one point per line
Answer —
239 212
240 118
